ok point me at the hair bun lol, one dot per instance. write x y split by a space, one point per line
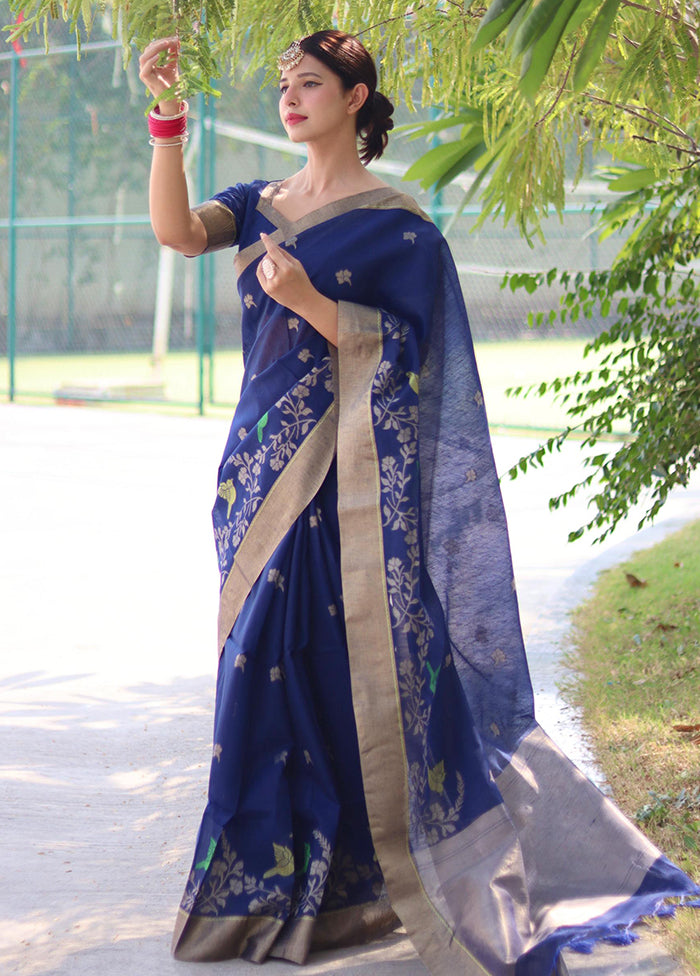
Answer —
382 108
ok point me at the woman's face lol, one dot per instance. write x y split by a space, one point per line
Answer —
314 103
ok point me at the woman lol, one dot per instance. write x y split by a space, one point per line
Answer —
376 758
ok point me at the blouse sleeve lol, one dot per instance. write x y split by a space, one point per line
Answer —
222 216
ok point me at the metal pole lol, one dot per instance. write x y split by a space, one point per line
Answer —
211 281
436 200
12 230
200 317
72 166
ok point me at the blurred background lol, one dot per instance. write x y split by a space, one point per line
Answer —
92 310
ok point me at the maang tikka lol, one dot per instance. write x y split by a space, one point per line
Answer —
291 57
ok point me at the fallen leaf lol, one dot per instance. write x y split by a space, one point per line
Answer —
687 728
635 580
666 627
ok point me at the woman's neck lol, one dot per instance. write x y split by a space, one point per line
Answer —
333 174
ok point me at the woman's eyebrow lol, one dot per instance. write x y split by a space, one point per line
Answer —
304 74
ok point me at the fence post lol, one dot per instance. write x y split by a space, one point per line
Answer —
12 229
200 317
211 281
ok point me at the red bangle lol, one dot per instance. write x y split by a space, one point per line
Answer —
167 126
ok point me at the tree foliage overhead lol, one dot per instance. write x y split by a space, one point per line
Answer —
532 75
519 83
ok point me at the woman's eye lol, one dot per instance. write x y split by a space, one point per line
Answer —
283 89
310 84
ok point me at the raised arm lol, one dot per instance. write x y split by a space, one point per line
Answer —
174 224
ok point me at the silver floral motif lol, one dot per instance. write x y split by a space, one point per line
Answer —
274 576
344 277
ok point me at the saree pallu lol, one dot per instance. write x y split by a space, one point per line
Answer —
376 756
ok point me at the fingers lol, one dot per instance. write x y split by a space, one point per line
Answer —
280 275
277 255
156 75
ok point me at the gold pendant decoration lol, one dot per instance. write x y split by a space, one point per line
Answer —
291 57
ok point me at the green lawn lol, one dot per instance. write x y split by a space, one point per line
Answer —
502 364
636 677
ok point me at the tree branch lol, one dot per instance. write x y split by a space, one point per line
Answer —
554 104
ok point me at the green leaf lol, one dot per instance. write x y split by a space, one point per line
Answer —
436 161
633 179
584 11
535 24
463 117
495 20
594 44
539 57
470 158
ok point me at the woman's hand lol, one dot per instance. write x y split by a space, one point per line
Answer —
158 70
285 280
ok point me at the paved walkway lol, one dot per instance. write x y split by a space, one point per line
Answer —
108 586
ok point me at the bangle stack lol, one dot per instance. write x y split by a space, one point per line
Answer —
168 127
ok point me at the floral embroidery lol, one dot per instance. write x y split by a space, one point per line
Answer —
240 662
305 355
471 475
245 471
313 521
282 757
478 399
434 814
292 242
248 301
344 277
216 753
310 896
242 433
223 880
498 657
274 576
346 875
222 537
293 324
410 235
333 610
307 757
276 673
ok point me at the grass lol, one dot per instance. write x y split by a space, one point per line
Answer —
637 667
501 365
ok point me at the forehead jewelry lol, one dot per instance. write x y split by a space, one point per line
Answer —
291 57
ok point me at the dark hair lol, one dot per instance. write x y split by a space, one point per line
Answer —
353 64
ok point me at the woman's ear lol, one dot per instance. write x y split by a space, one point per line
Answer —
358 97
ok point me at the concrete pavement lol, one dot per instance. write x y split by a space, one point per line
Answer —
108 591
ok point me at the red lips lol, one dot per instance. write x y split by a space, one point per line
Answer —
292 119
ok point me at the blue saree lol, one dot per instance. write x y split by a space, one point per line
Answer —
376 757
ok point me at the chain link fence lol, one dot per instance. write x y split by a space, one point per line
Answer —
92 308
